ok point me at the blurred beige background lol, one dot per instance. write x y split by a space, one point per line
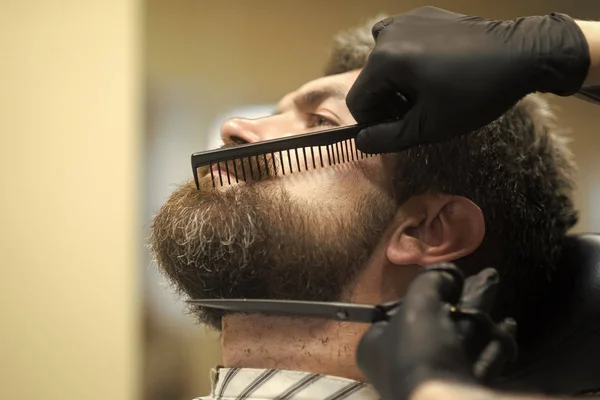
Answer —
70 146
101 105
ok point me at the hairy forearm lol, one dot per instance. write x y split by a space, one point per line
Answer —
437 390
591 30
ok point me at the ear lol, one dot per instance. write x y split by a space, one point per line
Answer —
435 228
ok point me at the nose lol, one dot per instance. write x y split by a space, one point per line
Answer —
239 131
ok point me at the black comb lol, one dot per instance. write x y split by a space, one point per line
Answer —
263 159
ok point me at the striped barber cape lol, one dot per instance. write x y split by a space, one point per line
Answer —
270 384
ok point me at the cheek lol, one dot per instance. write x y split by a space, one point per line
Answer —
335 175
335 187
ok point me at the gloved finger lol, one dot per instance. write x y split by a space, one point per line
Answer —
393 136
437 285
480 290
378 138
428 12
494 356
479 293
378 27
368 356
373 97
436 13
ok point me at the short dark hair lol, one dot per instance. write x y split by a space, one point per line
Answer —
518 170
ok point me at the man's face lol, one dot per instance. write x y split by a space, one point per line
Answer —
302 236
317 105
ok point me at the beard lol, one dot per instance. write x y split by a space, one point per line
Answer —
256 241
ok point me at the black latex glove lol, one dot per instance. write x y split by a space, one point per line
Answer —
446 74
425 341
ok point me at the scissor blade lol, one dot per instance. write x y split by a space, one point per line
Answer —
336 311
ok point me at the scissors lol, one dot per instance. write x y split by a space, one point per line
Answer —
336 311
350 312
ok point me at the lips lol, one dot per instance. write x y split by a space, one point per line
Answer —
225 171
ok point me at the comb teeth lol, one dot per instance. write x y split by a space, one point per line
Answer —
278 157
283 162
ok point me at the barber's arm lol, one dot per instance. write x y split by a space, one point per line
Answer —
427 351
591 87
591 31
439 74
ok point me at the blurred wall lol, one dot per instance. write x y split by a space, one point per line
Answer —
206 58
69 203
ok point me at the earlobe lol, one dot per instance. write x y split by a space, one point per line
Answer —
435 229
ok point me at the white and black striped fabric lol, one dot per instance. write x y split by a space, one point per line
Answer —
272 384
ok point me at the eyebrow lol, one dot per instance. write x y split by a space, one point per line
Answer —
312 98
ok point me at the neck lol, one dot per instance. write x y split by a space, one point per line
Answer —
299 344
313 345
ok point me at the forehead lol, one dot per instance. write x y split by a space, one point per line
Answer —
342 81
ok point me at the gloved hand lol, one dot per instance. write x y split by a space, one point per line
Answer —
447 74
425 341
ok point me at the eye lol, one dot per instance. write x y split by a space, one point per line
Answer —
317 120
